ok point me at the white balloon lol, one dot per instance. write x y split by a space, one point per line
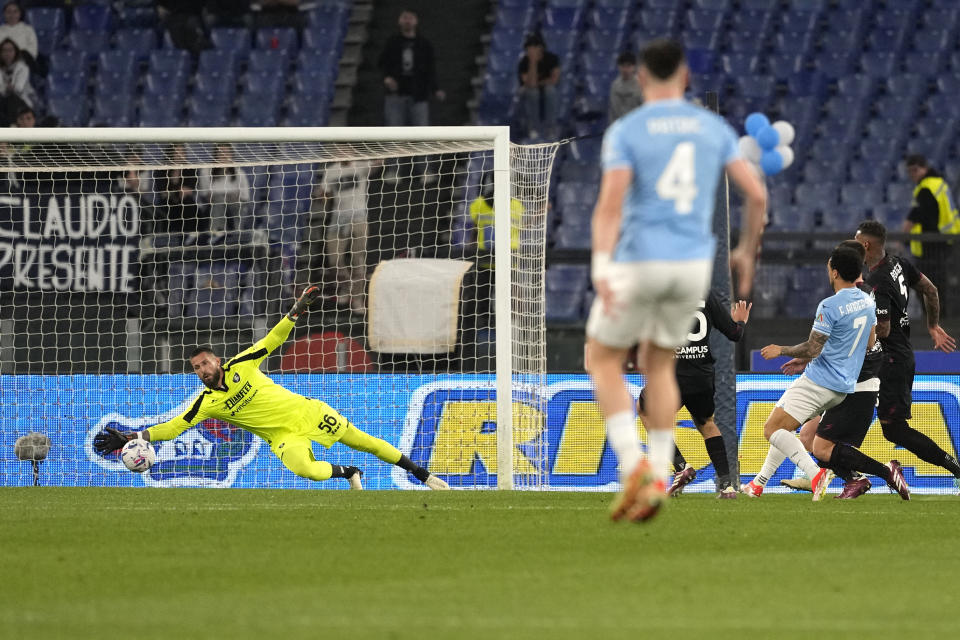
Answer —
786 131
787 154
750 149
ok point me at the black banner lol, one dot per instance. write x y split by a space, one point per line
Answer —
69 239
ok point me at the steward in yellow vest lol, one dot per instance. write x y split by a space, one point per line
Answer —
932 209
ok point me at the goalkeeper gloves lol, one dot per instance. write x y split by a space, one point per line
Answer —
307 298
111 439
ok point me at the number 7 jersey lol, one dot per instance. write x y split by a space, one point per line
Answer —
845 318
676 152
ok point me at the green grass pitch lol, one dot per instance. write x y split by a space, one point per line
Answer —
177 564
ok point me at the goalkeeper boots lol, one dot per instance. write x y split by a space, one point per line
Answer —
436 483
355 479
682 479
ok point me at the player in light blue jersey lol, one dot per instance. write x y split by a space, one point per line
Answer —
652 259
843 331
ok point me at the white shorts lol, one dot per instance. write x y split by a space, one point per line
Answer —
654 301
805 399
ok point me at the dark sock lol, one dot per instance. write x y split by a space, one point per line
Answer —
843 472
846 456
340 471
717 451
679 462
902 434
418 472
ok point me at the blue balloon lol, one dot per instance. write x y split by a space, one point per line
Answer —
754 122
771 162
767 137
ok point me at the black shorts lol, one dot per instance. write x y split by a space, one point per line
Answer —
849 421
695 395
896 390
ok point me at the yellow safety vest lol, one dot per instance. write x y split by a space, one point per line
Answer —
482 215
948 221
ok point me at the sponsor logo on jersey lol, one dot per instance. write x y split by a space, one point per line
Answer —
451 430
236 377
209 454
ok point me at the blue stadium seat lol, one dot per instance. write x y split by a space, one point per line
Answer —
258 110
799 21
314 83
701 61
849 23
64 61
337 16
575 4
797 42
932 129
866 171
755 86
896 108
66 83
47 19
327 41
502 62
515 17
753 22
113 110
208 111
318 61
787 66
608 18
88 43
137 17
71 110
906 85
658 21
566 18
278 39
894 19
696 39
92 17
119 84
117 62
939 19
858 85
560 41
575 200
932 40
307 112
837 64
791 218
704 19
215 84
921 63
880 64
218 60
171 61
572 238
843 218
807 5
268 61
899 193
739 64
48 41
604 41
620 4
817 197
263 83
158 84
567 277
564 306
863 195
888 40
231 39
139 41
157 112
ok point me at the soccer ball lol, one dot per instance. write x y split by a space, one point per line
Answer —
138 455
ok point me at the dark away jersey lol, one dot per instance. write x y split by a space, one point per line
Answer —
874 357
695 359
891 279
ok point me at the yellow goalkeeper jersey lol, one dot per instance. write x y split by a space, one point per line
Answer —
254 402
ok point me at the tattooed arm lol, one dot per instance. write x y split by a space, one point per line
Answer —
931 306
806 350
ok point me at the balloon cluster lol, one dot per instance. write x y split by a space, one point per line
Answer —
767 145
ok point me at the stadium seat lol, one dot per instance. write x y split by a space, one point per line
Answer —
88 43
791 218
139 41
863 195
263 83
117 62
849 23
560 41
158 111
701 60
564 306
787 66
307 112
136 17
170 61
926 64
658 22
326 41
906 85
607 19
797 42
836 65
336 16
267 61
567 277
858 85
113 110
888 40
277 39
817 197
880 64
318 61
121 84
66 83
213 60
231 39
572 238
606 42
258 110
313 83
899 193
865 171
755 86
92 17
704 19
208 111
165 83
929 129
707 40
939 19
932 40
70 110
843 218
565 18
216 84
739 64
895 108
620 4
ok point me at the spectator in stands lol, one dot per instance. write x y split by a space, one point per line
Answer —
26 118
133 179
183 20
277 13
15 87
539 72
625 94
176 209
482 216
346 183
931 211
409 75
21 33
226 189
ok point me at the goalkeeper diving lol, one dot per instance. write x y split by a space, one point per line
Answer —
239 393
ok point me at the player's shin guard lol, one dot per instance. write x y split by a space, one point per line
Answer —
902 434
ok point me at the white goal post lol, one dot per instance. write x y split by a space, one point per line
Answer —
118 246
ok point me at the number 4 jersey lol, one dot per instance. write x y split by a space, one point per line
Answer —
845 318
676 152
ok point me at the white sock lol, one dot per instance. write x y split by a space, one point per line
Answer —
771 463
790 444
622 434
660 447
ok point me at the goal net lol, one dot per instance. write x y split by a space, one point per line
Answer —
122 250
